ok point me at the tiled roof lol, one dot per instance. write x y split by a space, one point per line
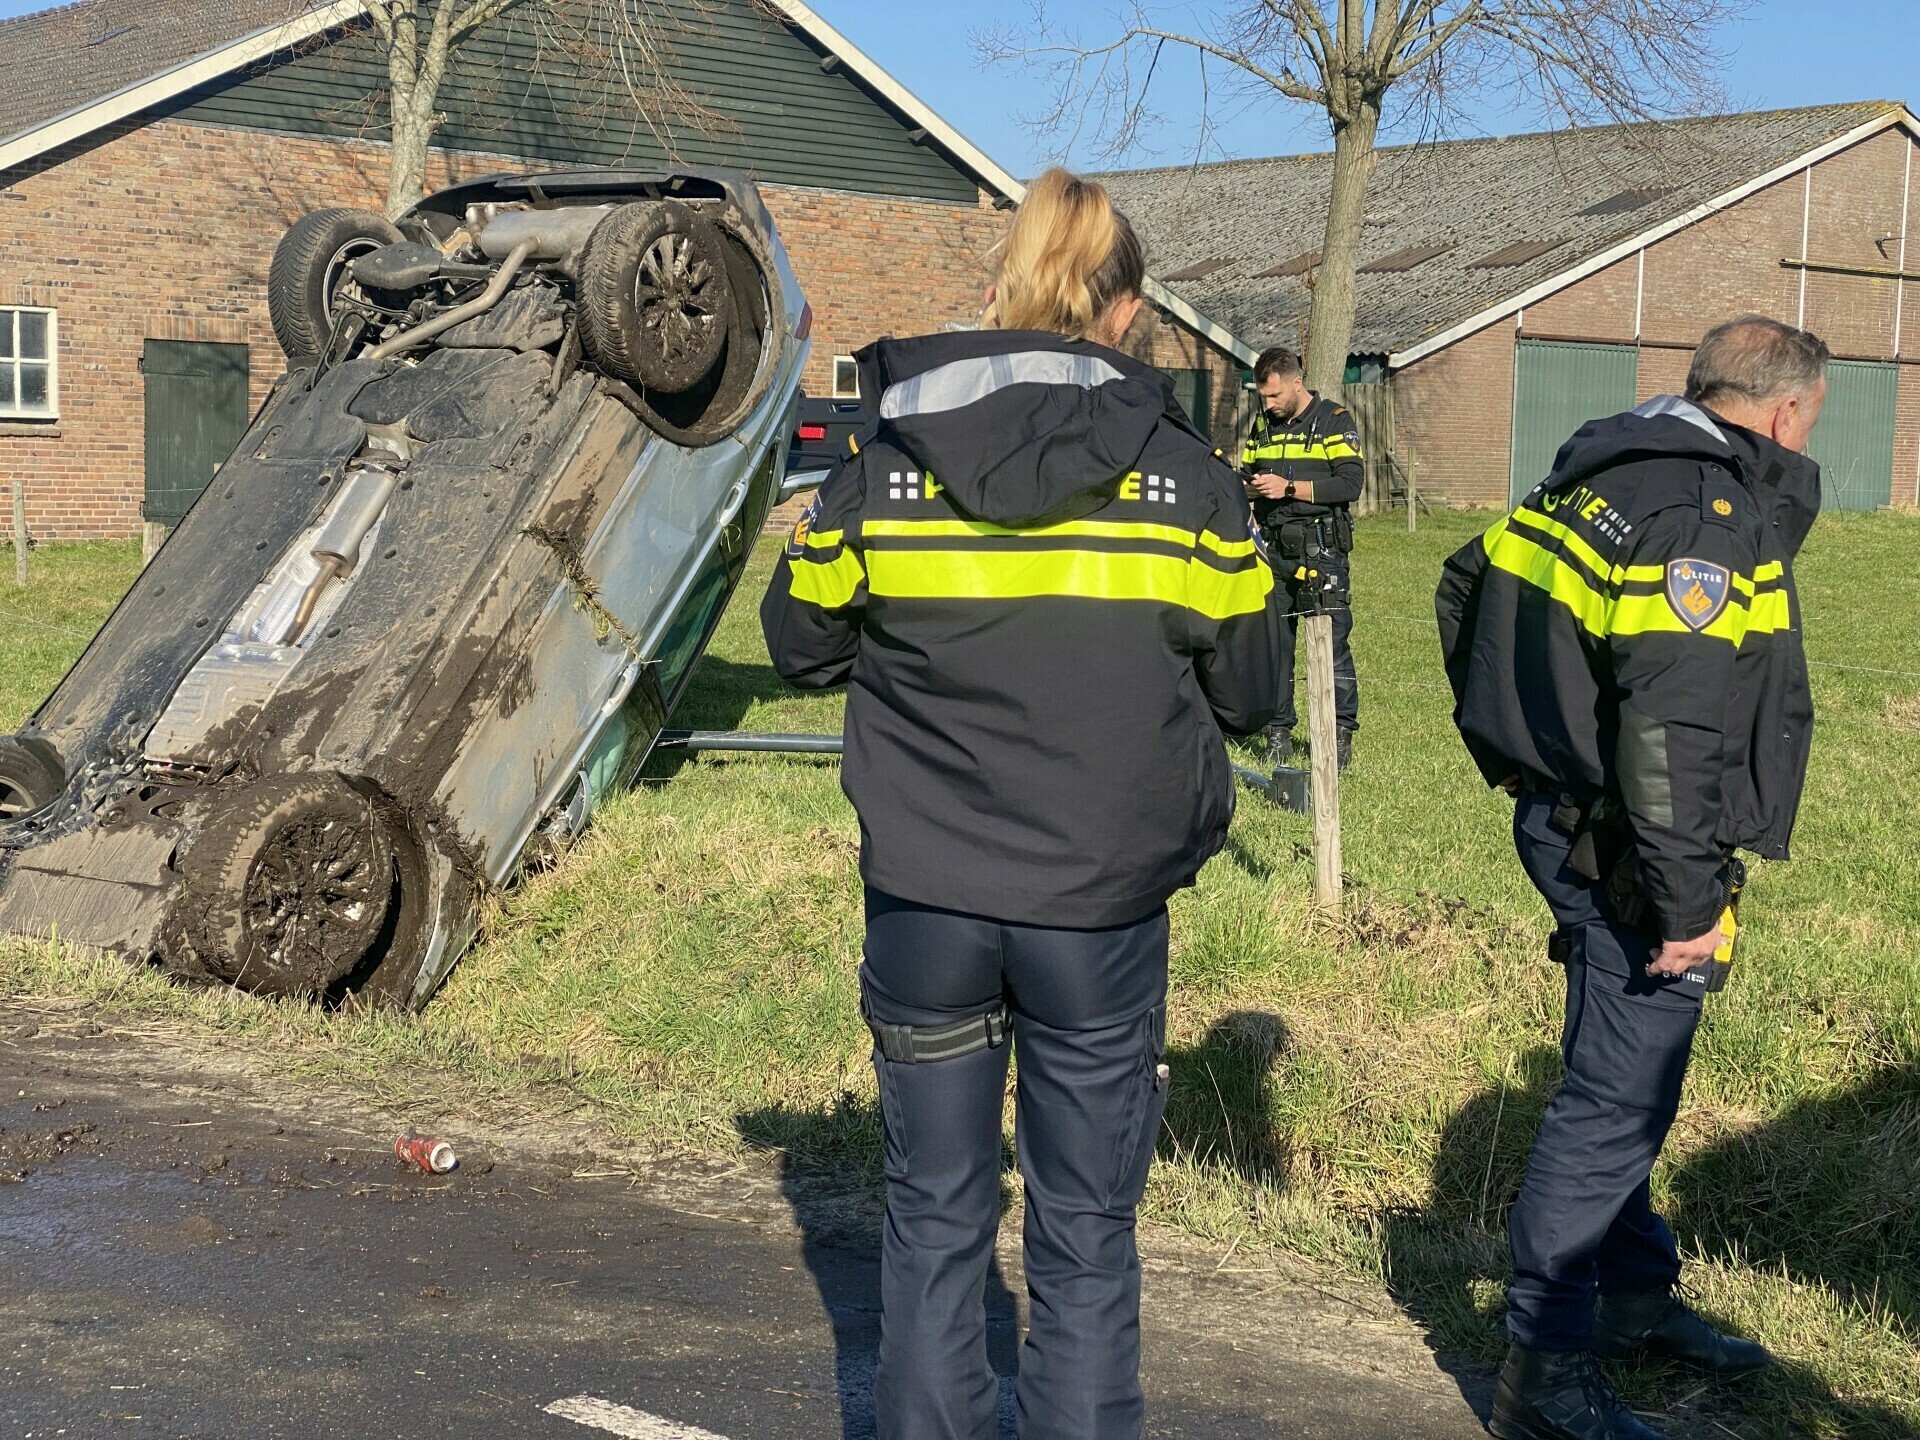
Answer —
1453 227
59 60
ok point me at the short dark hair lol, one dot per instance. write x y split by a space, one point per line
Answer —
1275 360
1755 358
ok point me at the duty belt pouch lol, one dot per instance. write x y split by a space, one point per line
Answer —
1292 539
1340 530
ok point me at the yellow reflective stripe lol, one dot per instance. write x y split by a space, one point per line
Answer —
1325 449
1086 574
1769 614
1222 594
1101 529
1653 614
1226 547
823 539
1521 557
1615 575
827 583
1771 570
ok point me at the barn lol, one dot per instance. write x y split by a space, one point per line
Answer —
152 152
1511 288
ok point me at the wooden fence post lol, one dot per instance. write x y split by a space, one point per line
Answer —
1413 494
20 532
1324 742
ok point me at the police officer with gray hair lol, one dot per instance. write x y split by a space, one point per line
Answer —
1624 650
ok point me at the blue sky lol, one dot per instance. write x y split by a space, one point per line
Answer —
1788 52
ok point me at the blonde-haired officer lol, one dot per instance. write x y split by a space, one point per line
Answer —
1039 584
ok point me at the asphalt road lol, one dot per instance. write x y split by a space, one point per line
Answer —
189 1252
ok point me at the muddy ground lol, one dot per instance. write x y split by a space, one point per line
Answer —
194 1250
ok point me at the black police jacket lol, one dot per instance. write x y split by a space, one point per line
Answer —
1320 445
1040 586
1631 630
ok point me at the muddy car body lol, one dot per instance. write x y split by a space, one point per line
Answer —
441 598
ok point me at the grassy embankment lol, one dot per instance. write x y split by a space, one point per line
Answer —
1362 1091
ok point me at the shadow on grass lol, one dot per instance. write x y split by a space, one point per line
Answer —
831 1174
1220 1100
1824 1192
718 697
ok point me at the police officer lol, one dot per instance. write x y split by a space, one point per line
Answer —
1625 655
1039 583
1303 463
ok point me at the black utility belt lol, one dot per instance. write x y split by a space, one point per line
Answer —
1297 536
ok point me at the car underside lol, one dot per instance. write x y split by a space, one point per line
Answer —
440 600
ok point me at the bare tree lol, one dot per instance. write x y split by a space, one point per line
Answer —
618 47
1569 60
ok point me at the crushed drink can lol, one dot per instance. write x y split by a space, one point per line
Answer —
429 1152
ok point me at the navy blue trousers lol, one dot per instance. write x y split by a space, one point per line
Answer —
1089 1023
1346 681
1584 1223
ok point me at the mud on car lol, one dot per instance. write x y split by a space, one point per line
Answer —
440 600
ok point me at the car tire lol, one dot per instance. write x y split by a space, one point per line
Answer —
31 777
288 887
656 300
308 269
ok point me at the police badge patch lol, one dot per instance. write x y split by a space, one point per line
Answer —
797 542
1698 590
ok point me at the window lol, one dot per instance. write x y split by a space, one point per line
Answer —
29 384
846 378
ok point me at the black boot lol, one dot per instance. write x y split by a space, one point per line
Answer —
1279 744
1343 752
1560 1395
1659 1325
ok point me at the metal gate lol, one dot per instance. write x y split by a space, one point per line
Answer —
1854 440
1558 386
196 413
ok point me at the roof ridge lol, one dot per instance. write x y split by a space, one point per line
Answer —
1865 108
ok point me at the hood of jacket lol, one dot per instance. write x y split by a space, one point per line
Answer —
1022 427
1785 485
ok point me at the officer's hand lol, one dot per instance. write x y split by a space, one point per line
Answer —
1676 957
1273 487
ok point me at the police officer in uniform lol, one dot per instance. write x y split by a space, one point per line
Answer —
1303 467
1039 584
1625 655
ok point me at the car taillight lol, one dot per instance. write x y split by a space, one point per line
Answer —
813 432
805 327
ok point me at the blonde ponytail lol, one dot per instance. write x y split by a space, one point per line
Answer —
1066 258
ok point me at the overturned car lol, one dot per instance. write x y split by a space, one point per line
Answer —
440 600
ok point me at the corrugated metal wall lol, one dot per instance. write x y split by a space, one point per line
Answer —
1557 387
1854 440
782 118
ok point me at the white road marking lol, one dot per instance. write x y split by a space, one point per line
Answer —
624 1420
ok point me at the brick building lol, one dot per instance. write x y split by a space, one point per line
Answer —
1512 288
152 152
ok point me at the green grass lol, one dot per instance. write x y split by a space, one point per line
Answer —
1362 1090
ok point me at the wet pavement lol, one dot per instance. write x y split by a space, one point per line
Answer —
192 1252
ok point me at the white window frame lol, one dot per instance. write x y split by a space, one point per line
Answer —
852 365
10 413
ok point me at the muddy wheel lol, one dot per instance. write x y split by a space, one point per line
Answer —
655 299
288 885
309 273
31 776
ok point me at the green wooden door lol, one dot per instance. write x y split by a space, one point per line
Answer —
1854 440
1194 390
1557 387
196 413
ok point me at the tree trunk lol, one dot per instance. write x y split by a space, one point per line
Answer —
1330 330
407 166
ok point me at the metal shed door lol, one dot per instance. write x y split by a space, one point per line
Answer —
1557 387
196 413
1854 440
